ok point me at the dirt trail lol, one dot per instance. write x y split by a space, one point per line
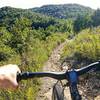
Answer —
51 65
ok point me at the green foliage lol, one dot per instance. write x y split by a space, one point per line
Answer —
18 19
5 52
85 46
56 40
87 21
4 35
96 18
82 22
65 11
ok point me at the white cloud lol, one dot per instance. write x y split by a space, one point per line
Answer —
36 3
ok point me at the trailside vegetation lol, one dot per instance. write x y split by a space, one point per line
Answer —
84 48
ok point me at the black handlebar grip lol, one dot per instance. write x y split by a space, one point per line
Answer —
22 76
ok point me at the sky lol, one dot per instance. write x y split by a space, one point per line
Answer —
37 3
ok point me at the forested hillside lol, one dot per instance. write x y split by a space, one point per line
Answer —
27 38
64 11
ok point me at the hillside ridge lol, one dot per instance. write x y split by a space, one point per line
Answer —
64 11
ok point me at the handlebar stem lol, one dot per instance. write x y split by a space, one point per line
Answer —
73 79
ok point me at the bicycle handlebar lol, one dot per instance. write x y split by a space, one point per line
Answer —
92 67
55 75
59 75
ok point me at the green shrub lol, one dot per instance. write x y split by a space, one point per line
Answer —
85 46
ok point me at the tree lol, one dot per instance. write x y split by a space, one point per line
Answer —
96 18
82 22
